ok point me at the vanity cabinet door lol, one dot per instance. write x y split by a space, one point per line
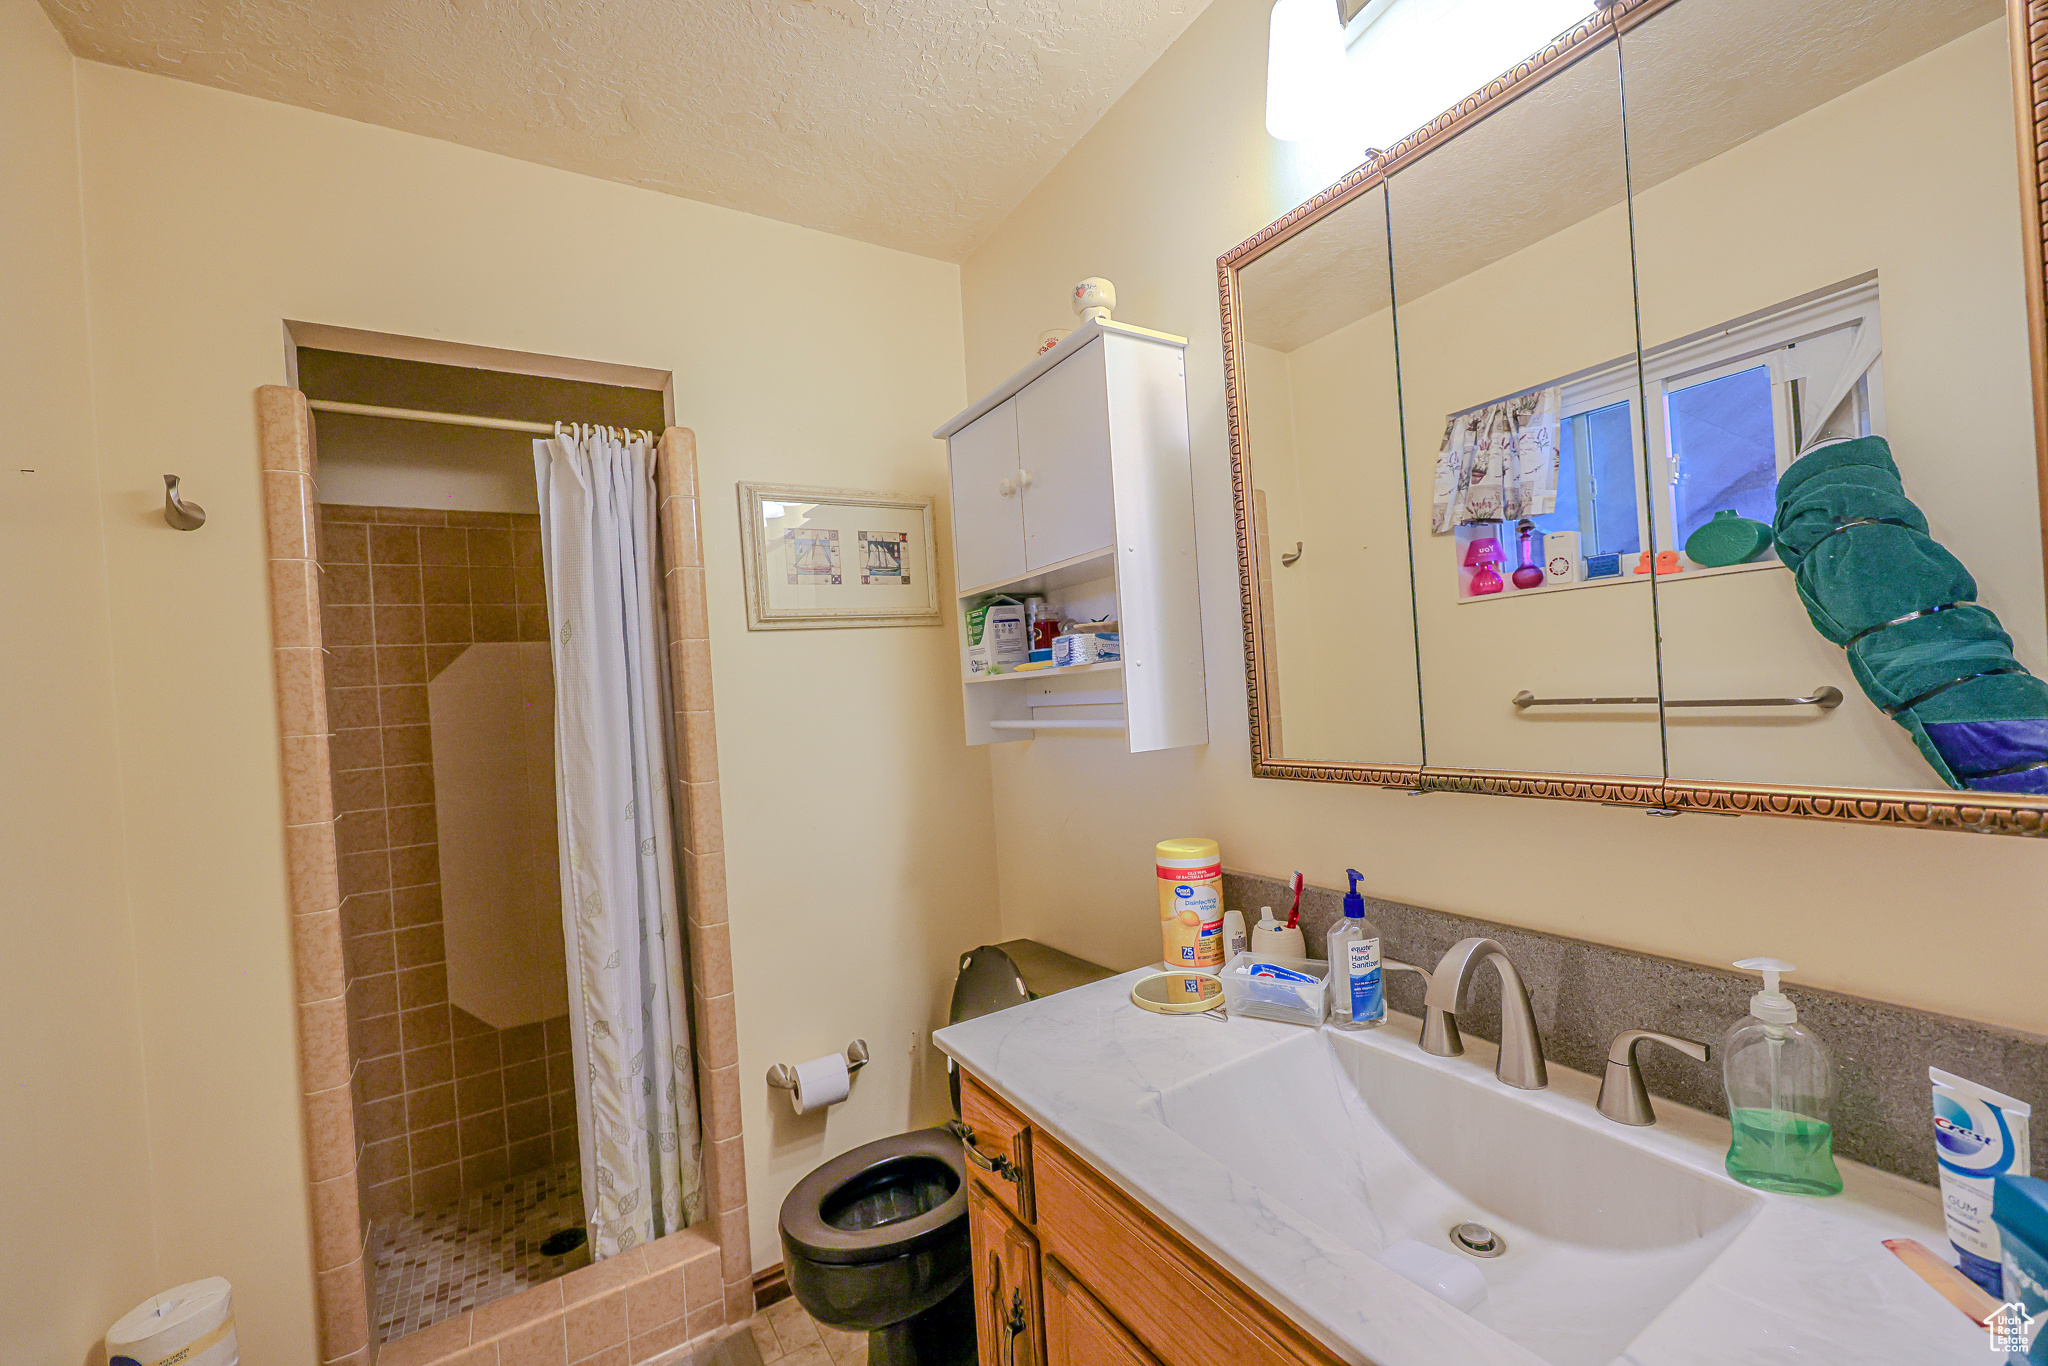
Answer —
1079 1331
988 513
1006 1289
1063 460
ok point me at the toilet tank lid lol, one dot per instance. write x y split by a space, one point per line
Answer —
997 976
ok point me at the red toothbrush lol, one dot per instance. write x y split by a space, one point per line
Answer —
1294 911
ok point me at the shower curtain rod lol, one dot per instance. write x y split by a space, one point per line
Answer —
502 424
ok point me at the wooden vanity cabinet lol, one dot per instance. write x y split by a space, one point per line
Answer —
1007 1314
1079 1331
1069 1270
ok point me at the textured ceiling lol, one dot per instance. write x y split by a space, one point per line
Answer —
912 123
1703 76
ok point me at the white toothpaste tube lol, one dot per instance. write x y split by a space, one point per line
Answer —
1979 1134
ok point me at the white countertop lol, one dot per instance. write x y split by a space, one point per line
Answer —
1805 1282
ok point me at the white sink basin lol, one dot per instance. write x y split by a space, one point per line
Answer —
1375 1143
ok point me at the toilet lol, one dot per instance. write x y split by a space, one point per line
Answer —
875 1240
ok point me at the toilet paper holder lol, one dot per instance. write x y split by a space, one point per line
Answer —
784 1076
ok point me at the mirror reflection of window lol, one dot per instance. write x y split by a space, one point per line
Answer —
1596 482
1724 449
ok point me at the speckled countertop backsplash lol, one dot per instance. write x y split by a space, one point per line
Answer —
1586 993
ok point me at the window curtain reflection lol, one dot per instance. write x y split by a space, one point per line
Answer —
636 1096
1499 462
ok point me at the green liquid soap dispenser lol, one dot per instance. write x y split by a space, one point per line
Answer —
1781 1091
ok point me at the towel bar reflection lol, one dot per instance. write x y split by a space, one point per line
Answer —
1827 699
784 1076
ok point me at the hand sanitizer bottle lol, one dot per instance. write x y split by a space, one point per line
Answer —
1356 1000
1781 1089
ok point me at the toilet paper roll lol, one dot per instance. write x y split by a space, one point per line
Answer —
193 1325
821 1082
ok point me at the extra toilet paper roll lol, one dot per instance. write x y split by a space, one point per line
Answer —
821 1082
193 1325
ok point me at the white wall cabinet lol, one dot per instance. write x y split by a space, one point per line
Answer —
1072 481
988 516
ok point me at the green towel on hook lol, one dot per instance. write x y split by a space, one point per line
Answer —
1876 583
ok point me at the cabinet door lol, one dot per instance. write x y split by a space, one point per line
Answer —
1006 1303
1079 1331
988 523
1063 454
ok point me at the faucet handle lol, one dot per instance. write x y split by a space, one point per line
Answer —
1439 1027
1623 1097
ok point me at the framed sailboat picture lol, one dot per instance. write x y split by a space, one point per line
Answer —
837 557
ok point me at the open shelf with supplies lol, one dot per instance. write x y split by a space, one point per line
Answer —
1072 482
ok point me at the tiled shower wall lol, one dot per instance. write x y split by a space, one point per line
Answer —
444 1103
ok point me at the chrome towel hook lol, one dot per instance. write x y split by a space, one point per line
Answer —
182 516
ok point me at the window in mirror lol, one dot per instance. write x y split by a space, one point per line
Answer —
1596 481
1730 410
1737 403
1724 447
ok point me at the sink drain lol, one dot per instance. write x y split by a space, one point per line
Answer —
1479 1240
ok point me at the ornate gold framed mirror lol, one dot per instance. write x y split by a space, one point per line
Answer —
1666 425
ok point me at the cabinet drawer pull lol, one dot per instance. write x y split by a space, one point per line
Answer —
999 1164
1015 1325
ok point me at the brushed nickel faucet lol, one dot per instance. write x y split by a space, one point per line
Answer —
1439 1027
1521 1052
1623 1097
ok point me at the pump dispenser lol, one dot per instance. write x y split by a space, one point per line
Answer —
1357 1000
1781 1092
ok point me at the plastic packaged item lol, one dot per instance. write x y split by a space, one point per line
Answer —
1600 567
1781 1091
1271 987
1235 938
1084 648
1275 938
1357 1000
1190 875
2019 1204
996 639
1979 1136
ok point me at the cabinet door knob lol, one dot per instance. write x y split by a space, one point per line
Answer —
1023 480
1007 487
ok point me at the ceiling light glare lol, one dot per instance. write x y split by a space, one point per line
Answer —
1420 57
1306 70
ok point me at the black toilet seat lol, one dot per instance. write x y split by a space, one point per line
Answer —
806 1231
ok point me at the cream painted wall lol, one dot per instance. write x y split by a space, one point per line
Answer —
858 829
74 1113
1176 173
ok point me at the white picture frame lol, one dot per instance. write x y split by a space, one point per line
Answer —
817 558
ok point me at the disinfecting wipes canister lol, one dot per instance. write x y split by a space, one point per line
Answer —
193 1325
1979 1134
1191 903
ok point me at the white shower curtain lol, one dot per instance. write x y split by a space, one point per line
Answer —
636 1097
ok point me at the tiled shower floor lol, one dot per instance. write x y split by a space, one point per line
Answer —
483 1247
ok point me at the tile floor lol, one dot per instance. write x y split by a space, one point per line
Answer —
786 1336
483 1247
